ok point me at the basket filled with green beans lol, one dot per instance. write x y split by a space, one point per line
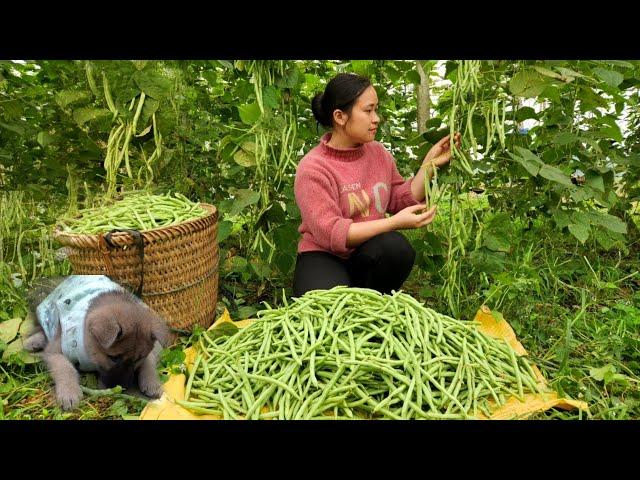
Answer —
353 353
162 244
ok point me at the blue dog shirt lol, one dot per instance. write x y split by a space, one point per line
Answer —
66 307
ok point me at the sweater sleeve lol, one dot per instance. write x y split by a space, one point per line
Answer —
400 196
318 201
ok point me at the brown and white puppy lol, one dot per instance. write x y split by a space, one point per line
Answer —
119 337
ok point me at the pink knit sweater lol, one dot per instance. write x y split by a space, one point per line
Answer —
336 187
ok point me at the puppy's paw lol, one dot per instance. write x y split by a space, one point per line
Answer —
35 342
150 386
68 396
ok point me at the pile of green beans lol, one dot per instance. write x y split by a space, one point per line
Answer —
139 211
352 353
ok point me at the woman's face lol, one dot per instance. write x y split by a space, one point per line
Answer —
362 122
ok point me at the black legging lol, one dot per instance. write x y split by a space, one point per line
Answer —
382 263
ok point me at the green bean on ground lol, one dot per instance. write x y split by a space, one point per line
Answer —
326 355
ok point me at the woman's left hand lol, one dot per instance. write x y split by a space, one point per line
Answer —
440 153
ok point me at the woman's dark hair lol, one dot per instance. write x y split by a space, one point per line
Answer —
340 93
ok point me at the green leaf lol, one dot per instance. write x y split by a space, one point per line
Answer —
290 79
153 84
311 81
246 312
9 329
172 356
527 84
581 194
565 138
610 222
593 142
528 160
67 97
361 67
580 218
567 72
241 157
555 175
249 113
484 260
16 348
620 378
245 156
524 113
562 218
225 205
286 238
434 243
210 76
236 264
581 232
28 325
496 243
224 230
13 127
413 77
226 64
83 115
603 374
275 214
261 269
551 92
610 77
633 159
270 96
12 110
611 131
293 211
44 139
594 181
548 73
501 222
619 63
589 100
284 262
139 64
223 329
149 107
604 239
244 198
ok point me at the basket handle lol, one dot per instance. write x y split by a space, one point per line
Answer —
106 245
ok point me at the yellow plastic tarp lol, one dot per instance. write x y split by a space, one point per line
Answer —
165 407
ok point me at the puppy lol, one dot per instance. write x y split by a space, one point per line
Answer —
92 323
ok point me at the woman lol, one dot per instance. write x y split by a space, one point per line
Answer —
344 187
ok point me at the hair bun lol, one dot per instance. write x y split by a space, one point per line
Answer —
318 111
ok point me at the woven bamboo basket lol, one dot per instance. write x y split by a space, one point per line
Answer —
179 271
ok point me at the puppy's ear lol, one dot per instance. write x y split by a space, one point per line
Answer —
106 330
160 331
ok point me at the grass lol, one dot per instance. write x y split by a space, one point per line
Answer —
26 393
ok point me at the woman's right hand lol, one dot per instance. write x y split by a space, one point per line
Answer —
409 217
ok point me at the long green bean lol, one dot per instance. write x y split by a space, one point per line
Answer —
136 210
328 353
